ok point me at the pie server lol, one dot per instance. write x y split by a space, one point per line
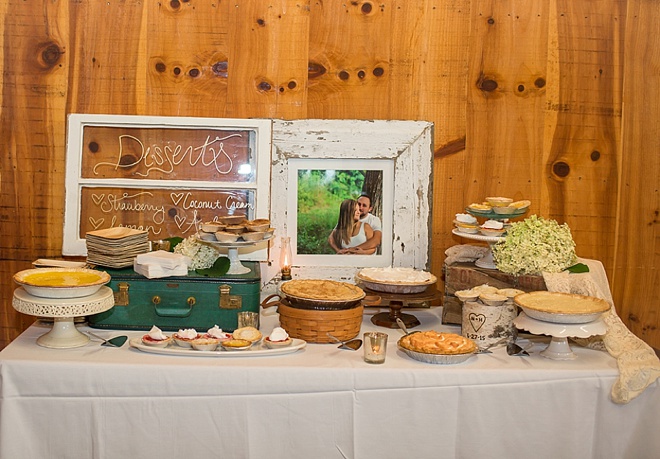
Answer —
117 341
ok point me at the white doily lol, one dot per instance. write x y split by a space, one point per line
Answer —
638 364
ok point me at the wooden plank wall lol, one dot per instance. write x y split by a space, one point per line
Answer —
554 101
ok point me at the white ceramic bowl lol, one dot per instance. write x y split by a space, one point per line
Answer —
61 282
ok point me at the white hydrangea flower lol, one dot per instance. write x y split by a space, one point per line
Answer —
535 245
202 256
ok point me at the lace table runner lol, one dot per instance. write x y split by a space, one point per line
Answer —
638 363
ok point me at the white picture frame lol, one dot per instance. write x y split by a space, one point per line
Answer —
406 145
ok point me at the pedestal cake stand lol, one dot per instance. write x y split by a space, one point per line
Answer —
64 333
235 265
559 349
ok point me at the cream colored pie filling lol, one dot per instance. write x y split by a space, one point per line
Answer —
561 303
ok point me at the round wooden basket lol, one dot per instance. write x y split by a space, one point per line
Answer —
313 325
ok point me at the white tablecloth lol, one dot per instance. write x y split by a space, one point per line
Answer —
321 402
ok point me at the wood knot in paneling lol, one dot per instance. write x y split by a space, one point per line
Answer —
48 55
487 83
561 169
315 70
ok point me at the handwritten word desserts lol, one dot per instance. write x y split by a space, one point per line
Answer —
156 338
185 337
278 338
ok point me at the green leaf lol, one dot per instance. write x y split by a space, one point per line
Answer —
174 241
219 268
578 268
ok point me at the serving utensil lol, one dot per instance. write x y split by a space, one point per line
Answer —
402 326
515 349
353 344
117 341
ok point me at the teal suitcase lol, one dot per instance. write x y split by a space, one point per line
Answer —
173 303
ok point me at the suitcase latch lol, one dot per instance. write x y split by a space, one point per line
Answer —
228 301
121 295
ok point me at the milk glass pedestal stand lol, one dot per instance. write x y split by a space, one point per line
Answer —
64 333
235 265
487 260
559 349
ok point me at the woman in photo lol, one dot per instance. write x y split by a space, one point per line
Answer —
350 233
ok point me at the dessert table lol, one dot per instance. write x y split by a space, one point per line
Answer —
322 402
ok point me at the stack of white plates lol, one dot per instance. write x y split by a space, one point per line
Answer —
115 247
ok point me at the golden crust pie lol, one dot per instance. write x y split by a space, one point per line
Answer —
561 303
317 289
432 342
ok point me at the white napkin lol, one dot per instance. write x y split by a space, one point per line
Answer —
159 264
161 258
638 364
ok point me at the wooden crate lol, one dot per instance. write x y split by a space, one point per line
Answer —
464 276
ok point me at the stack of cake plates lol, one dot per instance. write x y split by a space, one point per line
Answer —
115 247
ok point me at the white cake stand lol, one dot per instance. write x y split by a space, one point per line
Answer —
64 333
235 265
559 349
487 260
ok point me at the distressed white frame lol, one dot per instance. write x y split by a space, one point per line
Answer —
408 144
74 245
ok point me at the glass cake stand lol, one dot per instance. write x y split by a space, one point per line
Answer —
487 260
559 349
64 333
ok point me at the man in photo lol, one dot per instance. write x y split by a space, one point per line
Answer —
364 204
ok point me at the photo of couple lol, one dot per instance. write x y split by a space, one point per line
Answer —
339 212
358 231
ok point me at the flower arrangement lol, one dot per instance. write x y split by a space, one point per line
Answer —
202 256
535 245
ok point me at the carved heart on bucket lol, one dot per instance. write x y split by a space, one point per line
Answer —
477 321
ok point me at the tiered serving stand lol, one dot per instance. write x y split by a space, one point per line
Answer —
63 333
487 261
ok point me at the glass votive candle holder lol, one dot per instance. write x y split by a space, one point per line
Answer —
375 347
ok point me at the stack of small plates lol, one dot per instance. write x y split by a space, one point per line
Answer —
115 247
